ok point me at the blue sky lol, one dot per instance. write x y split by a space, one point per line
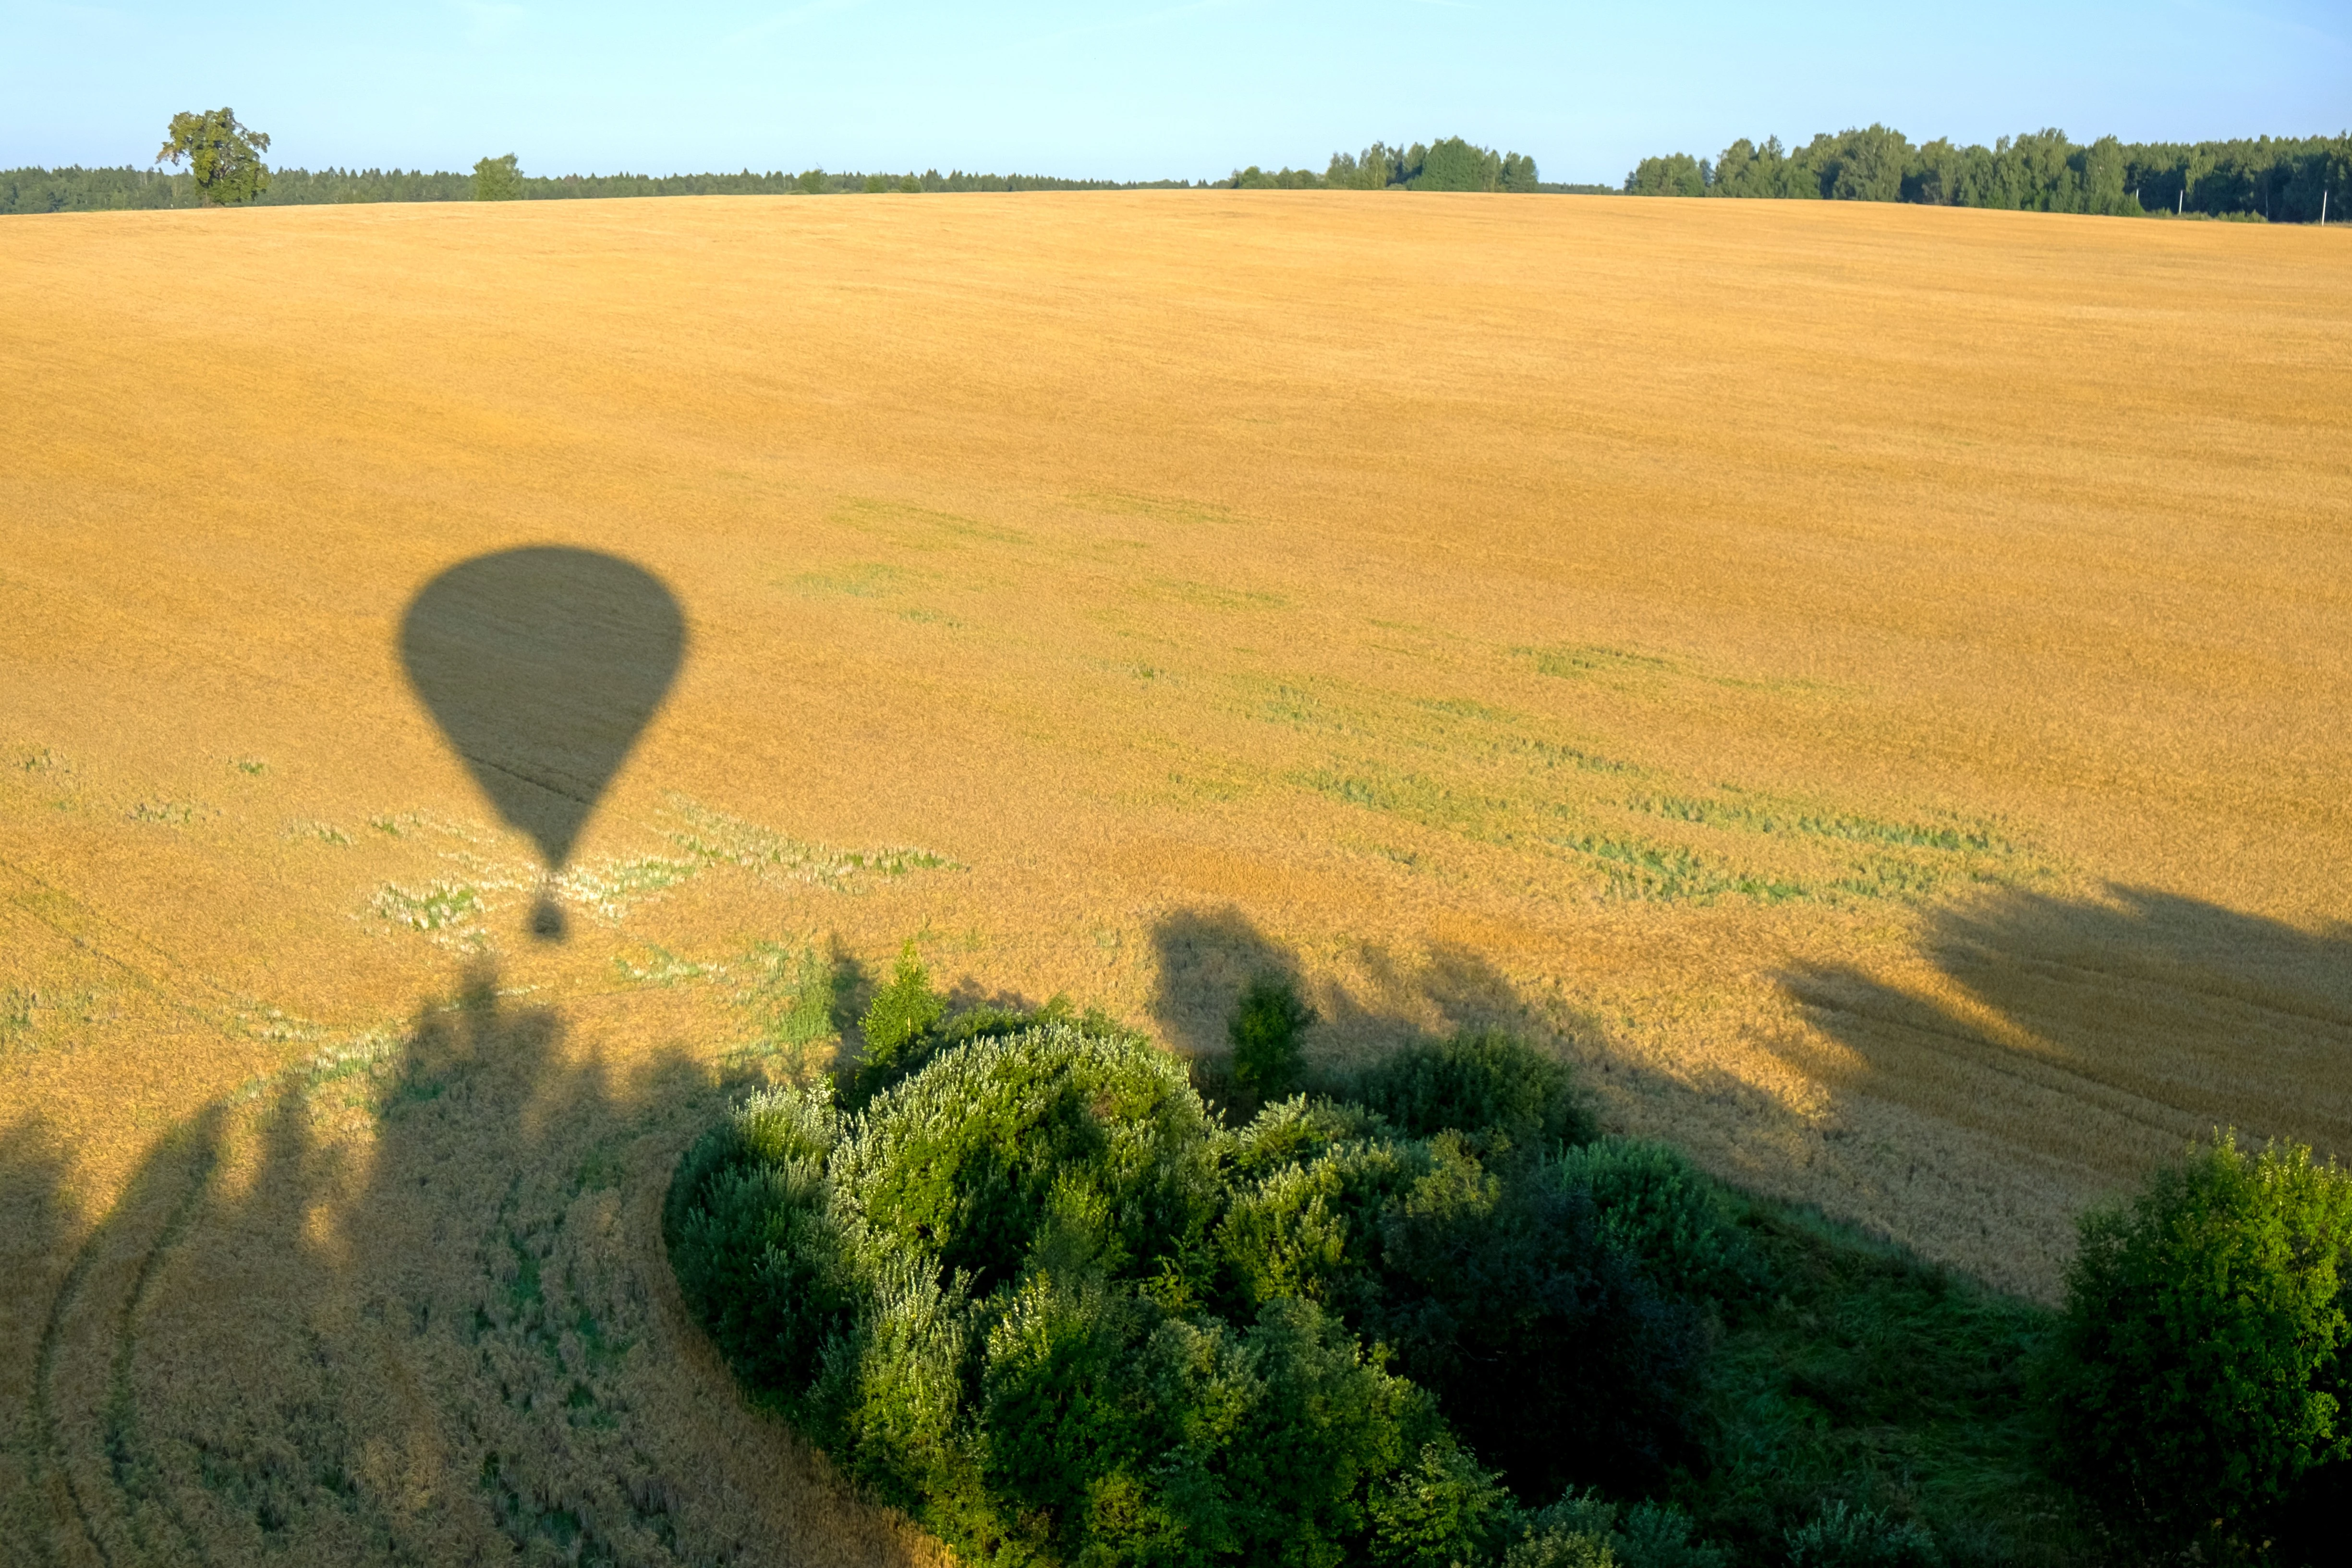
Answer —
1110 88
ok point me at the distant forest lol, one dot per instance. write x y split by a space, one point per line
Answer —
1450 163
2264 178
2278 180
95 190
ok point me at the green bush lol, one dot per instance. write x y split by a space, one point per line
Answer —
1031 1289
1439 1512
1841 1537
1488 1085
1548 1348
2201 1364
982 1292
1494 1285
1586 1531
898 1022
1264 1031
1660 1208
1054 1150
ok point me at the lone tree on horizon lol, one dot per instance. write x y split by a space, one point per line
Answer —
225 156
498 180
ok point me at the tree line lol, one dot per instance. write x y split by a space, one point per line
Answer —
224 167
1450 163
76 189
2272 179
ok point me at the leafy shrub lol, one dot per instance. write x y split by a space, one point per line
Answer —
1547 1347
758 1252
2202 1362
1439 1512
1657 1535
1664 1211
1264 1030
979 1293
1024 1285
898 1021
1494 1286
1840 1537
1486 1085
1054 1148
1586 1531
1555 1548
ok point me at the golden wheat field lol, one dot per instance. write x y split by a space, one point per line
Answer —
1869 684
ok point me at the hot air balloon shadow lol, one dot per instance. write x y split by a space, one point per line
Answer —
542 666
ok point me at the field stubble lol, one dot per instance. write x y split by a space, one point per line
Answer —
1867 683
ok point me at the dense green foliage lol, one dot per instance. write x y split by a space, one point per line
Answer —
224 158
1267 1055
1659 1209
1484 1083
2280 179
1857 1375
2206 1352
982 1293
1024 1281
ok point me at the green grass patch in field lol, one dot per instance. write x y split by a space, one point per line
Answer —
1581 661
714 837
436 907
1415 798
16 1015
610 886
1861 1376
170 813
659 966
879 516
1645 870
1736 810
859 580
797 1001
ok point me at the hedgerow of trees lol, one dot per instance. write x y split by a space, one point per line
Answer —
1448 164
2280 180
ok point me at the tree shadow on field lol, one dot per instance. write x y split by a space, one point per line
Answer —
404 1301
1206 958
37 1217
542 666
2103 1033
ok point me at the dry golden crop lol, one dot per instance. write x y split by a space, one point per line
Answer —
1868 683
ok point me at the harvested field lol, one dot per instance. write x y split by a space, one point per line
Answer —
1869 683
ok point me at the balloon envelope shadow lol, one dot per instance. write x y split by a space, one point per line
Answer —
541 666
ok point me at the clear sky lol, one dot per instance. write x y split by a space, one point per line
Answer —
1119 89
